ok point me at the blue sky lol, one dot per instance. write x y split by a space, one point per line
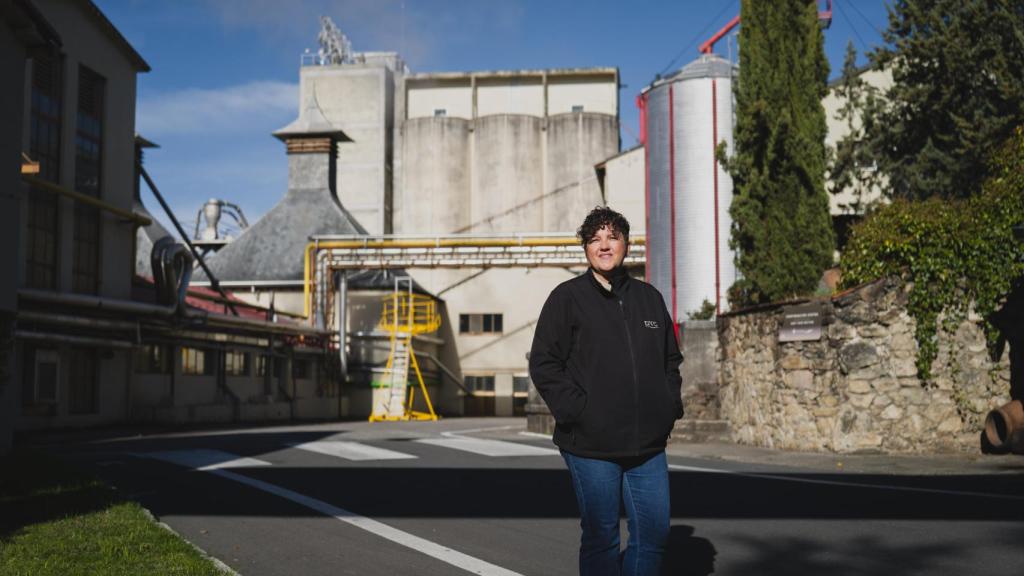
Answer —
225 72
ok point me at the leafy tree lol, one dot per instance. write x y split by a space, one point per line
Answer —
958 93
706 311
781 227
957 254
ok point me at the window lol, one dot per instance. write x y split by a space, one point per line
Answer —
88 179
520 384
198 362
440 111
480 383
236 363
577 108
263 362
152 359
480 323
82 383
44 147
39 386
300 369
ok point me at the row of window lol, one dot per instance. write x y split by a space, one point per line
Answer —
156 359
46 127
441 112
40 379
480 323
485 383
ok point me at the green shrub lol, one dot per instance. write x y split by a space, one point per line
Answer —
953 252
706 311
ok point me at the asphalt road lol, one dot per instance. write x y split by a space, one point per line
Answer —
478 496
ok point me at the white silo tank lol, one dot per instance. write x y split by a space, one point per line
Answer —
688 193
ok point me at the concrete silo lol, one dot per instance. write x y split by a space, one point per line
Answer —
684 117
506 174
437 186
576 141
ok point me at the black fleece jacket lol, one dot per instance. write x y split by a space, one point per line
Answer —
607 365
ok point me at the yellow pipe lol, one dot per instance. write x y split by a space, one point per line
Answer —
427 243
86 199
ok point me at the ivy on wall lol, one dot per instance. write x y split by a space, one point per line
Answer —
953 252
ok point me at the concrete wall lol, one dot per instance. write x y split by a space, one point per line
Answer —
110 393
595 93
837 130
455 97
84 43
510 96
357 98
12 66
624 187
539 93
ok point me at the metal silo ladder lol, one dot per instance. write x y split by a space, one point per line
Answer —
405 314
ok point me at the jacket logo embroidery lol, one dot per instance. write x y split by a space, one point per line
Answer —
650 324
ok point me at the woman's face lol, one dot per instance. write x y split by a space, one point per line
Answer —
606 250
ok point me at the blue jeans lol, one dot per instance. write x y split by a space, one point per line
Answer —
602 486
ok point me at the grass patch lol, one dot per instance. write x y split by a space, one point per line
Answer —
56 519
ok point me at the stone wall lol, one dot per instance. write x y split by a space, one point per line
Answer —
856 389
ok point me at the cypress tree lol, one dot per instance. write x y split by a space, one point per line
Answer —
957 94
781 230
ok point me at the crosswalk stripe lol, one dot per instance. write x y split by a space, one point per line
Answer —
488 447
205 459
352 450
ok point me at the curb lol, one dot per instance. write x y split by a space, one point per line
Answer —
221 566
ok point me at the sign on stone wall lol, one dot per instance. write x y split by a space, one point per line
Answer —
801 322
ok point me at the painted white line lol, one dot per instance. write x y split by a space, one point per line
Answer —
432 549
473 430
488 447
847 484
203 459
352 451
536 435
422 545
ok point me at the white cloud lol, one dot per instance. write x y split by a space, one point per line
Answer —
222 110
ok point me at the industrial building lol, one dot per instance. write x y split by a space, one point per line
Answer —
97 322
474 156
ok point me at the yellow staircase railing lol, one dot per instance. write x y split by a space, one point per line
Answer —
403 315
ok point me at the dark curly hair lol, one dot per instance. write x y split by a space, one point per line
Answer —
600 217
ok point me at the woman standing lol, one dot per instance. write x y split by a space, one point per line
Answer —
606 361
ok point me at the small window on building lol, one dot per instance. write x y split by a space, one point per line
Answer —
520 384
300 369
43 218
481 323
236 363
152 359
480 383
196 362
85 265
440 111
82 381
262 362
42 368
577 107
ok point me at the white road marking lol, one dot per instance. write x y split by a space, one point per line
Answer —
488 447
473 430
535 435
443 553
848 484
203 459
352 450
